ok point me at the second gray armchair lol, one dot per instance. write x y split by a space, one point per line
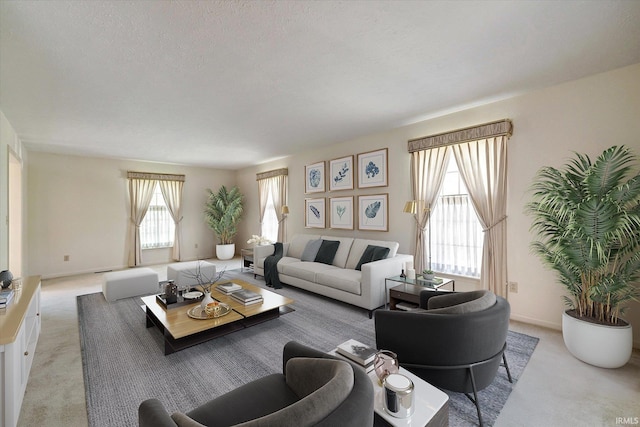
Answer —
455 341
315 389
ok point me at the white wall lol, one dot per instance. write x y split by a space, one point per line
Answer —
79 207
586 115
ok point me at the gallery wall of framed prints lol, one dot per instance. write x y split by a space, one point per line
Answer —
369 211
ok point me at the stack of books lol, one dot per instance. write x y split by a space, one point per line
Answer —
247 297
228 288
357 352
6 295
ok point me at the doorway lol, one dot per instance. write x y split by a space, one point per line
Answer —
15 215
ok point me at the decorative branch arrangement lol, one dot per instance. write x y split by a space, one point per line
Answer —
205 283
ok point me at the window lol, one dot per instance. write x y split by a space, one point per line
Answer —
157 229
270 220
455 233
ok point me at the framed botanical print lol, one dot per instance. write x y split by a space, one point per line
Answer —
341 212
341 174
373 212
314 178
373 169
314 213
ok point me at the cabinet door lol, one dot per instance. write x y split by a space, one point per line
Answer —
13 379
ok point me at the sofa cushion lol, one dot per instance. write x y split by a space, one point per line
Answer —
342 279
359 246
298 243
284 261
302 270
372 253
461 302
311 250
327 251
342 255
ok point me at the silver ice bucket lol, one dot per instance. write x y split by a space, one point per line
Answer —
398 395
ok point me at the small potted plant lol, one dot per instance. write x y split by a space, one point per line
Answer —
428 274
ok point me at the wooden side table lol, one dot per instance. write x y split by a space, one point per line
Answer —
407 292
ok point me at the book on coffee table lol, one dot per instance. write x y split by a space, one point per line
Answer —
6 295
246 297
228 288
358 352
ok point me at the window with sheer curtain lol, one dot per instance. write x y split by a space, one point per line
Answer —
158 228
456 233
270 220
272 197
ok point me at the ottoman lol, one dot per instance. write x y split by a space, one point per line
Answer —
191 273
129 283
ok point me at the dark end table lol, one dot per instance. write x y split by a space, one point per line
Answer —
407 291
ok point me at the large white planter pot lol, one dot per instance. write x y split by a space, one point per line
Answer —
598 345
225 251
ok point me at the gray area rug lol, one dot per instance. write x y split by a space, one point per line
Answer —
124 363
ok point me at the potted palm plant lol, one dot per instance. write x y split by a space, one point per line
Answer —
587 217
223 212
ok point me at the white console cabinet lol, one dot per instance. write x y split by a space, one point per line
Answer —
19 331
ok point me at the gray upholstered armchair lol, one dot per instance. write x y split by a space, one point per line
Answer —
315 389
455 341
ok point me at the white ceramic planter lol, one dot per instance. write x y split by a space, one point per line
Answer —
598 345
225 251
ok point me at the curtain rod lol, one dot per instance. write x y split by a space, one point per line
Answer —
473 133
272 173
155 176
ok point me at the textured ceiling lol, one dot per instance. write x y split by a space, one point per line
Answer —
233 83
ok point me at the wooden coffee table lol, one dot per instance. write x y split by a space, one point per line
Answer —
181 331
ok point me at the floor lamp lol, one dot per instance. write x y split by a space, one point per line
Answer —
285 213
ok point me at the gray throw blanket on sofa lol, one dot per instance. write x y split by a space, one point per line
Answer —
270 267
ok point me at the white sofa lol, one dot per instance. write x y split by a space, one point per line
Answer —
340 281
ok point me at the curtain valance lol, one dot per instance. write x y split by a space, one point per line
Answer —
155 176
474 133
271 174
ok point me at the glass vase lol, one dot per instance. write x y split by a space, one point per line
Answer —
385 363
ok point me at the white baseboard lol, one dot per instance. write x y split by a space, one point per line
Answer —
537 322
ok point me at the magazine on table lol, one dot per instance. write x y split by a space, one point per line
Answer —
358 352
246 296
228 288
255 301
367 368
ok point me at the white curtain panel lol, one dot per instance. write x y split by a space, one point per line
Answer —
263 198
428 168
172 193
278 186
140 194
483 167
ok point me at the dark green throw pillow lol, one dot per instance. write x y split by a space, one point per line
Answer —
327 251
372 253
